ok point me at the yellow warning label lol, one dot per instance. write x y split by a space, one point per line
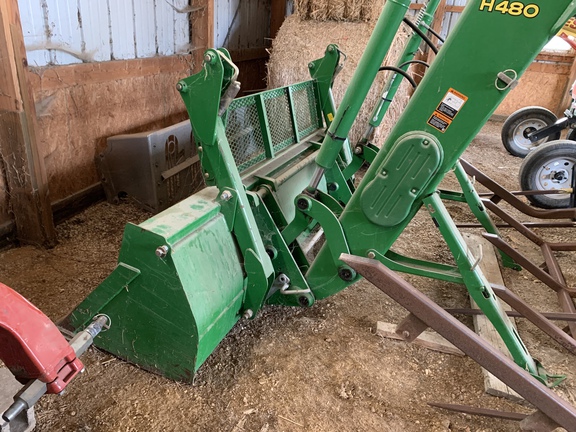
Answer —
330 116
569 28
447 110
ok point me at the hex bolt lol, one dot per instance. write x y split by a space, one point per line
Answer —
346 273
248 314
358 150
200 149
208 58
179 87
311 66
425 142
371 255
414 190
225 196
384 172
303 301
271 252
303 204
206 175
333 187
162 251
406 334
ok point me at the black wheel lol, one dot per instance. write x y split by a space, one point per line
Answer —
548 167
517 127
571 135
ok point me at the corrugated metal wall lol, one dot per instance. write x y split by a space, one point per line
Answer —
451 18
59 32
241 24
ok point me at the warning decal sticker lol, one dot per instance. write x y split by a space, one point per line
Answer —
439 122
447 110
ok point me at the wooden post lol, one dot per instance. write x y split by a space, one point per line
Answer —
202 30
21 159
277 15
566 98
437 25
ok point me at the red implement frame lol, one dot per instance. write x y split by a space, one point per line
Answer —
31 346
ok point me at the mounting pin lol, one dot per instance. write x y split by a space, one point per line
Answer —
162 251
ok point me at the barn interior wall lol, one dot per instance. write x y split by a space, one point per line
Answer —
80 106
544 84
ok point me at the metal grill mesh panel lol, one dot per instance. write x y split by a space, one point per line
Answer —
244 127
244 133
279 119
305 106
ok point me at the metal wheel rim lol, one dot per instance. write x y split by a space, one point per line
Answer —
525 127
555 174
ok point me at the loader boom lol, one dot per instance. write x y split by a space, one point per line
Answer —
276 172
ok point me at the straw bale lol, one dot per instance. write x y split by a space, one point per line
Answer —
300 41
338 10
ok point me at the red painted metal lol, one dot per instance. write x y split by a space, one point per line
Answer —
31 346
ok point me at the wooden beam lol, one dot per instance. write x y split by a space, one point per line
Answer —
52 78
566 99
480 247
277 15
456 9
428 339
248 54
437 26
23 162
202 30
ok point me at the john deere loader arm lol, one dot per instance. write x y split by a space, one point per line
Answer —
491 46
274 173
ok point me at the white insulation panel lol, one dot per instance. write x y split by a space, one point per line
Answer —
60 32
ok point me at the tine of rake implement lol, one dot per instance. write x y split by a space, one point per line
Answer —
462 337
467 409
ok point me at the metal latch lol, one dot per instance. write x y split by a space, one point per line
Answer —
508 77
180 167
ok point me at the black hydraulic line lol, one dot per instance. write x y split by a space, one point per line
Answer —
422 62
401 72
421 34
431 30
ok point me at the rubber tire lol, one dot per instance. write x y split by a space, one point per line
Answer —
512 123
538 159
571 135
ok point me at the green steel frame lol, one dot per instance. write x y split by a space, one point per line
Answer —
276 176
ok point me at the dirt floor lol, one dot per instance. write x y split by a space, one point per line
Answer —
291 369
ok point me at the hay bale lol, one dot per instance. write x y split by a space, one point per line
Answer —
300 41
338 10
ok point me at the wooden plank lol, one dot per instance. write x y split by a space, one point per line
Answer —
62 77
96 30
277 15
202 38
481 247
249 54
566 99
437 27
427 339
121 15
456 9
24 166
164 28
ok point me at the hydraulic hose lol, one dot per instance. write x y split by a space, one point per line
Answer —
421 34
